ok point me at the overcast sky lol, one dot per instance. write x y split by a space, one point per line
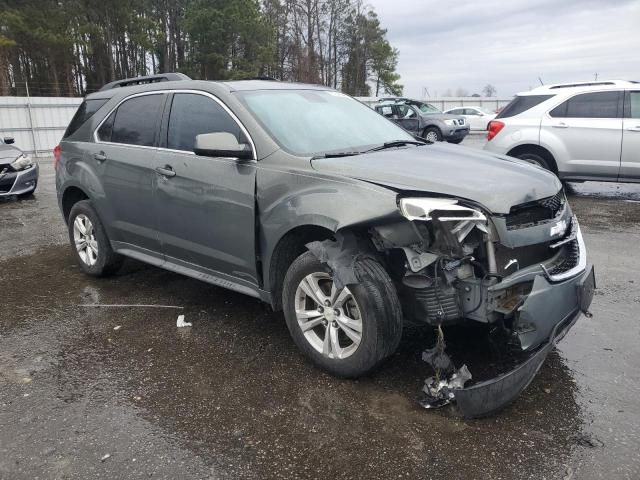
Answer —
446 44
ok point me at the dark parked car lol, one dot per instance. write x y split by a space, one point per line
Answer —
419 119
305 198
18 171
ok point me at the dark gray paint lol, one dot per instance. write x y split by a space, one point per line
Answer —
145 214
496 182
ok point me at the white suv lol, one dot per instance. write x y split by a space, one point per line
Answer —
580 131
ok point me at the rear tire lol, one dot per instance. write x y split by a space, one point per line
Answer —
432 134
535 160
89 242
374 299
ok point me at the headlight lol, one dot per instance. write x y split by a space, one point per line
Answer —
22 162
420 208
450 122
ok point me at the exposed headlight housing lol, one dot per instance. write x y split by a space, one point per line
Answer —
450 122
421 208
22 162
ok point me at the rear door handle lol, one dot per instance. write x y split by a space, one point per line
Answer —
100 157
166 171
560 125
634 129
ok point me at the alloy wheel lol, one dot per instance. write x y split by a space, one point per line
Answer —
329 319
432 136
85 240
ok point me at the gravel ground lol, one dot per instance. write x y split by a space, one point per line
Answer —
122 393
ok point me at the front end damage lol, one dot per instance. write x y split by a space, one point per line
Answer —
523 273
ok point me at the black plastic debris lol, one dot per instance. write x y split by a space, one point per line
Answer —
340 255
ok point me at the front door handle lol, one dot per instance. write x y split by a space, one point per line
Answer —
166 171
560 125
100 157
634 129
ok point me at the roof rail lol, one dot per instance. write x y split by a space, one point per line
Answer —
580 84
161 77
593 83
261 77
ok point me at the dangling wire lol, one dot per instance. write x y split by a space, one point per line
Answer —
440 346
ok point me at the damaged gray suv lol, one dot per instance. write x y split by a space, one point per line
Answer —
305 198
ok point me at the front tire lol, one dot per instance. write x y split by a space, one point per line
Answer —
346 333
89 241
432 134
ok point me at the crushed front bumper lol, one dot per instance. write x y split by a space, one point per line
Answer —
553 309
18 183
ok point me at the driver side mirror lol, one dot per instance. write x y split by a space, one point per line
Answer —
221 144
8 140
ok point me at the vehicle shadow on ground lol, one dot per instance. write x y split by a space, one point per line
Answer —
234 384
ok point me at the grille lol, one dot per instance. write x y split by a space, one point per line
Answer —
534 213
571 259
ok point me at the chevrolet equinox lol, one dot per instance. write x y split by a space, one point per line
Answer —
305 198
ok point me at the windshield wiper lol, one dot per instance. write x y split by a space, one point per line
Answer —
396 143
336 155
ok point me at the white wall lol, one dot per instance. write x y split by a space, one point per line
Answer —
36 123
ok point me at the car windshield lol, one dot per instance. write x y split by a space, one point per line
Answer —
315 122
426 107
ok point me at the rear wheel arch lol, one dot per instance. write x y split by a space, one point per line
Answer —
535 150
70 197
290 246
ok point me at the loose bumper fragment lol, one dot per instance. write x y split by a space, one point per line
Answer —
550 320
492 395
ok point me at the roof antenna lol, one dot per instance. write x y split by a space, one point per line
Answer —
540 80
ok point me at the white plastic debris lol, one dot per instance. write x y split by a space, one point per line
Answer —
181 323
104 457
117 327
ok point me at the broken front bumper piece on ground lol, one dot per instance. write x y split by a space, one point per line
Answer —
489 396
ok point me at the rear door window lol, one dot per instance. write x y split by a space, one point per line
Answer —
590 105
85 112
521 104
633 105
193 114
135 121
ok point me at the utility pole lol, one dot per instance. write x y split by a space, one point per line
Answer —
33 133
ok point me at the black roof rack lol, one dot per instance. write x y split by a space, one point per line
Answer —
161 77
261 77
